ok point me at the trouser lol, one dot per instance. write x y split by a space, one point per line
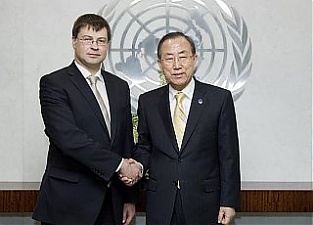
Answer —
178 217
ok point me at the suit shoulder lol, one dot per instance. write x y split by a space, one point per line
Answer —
56 73
114 78
153 93
213 88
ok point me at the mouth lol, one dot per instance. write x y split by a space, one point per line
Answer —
178 75
93 55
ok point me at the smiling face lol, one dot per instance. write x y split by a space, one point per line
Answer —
90 55
177 62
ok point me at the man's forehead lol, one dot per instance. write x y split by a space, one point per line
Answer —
176 48
91 30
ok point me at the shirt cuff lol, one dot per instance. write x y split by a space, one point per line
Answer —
119 166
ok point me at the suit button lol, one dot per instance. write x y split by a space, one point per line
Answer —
177 184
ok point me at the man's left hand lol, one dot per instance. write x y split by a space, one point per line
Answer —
226 215
129 211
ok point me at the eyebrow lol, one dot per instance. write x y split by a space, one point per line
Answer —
181 52
86 35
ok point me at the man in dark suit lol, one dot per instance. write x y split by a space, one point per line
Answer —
88 123
190 149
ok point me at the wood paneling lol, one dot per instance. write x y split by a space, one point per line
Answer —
251 201
276 201
17 201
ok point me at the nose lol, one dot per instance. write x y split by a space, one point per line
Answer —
94 44
177 63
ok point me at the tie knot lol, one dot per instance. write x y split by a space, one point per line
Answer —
180 96
93 79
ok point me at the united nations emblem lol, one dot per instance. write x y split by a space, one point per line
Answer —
219 32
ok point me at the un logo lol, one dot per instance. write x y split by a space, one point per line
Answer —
219 32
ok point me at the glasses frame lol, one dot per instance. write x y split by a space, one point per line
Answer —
183 60
88 40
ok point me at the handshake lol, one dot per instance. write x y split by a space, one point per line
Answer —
130 171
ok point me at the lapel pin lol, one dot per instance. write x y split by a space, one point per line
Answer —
200 101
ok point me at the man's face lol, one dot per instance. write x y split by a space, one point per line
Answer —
91 48
177 62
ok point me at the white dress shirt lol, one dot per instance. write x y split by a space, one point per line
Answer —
100 85
188 91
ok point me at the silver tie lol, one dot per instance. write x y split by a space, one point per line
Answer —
93 81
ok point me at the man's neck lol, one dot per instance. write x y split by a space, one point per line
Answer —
93 69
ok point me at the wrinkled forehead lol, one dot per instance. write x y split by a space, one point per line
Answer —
176 46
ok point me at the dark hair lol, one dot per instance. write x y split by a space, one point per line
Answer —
93 21
173 35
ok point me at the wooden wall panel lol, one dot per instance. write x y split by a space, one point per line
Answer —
17 201
276 201
251 201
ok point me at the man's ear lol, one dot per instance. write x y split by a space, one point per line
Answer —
160 65
74 42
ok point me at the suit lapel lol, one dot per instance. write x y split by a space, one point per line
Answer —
112 97
82 85
198 103
165 114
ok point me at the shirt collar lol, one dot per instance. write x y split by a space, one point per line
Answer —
86 73
188 90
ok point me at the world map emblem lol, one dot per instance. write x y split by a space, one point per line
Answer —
220 33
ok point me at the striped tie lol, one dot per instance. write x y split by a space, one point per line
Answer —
93 81
179 118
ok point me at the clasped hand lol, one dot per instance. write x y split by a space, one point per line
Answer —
130 172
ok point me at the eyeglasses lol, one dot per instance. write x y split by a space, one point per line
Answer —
88 40
183 59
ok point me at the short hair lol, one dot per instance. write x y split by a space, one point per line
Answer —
92 21
173 35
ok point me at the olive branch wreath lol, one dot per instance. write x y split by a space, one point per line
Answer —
241 66
108 10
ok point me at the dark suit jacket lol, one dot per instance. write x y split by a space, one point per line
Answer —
207 165
82 158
